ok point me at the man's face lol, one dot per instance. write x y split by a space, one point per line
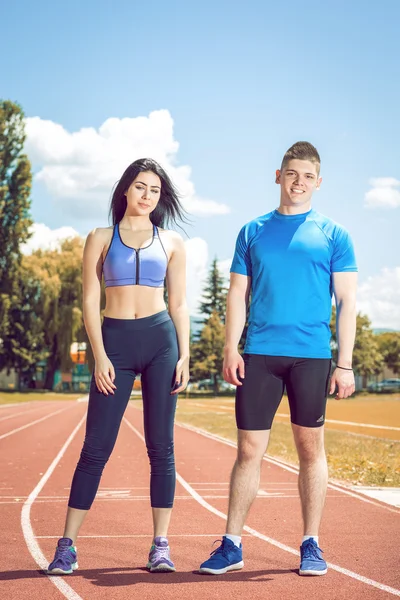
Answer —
298 179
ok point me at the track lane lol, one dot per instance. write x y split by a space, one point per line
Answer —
24 420
115 565
23 459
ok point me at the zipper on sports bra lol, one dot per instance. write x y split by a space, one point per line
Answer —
137 266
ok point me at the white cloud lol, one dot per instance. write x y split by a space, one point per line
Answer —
384 193
379 298
79 169
47 239
224 267
197 262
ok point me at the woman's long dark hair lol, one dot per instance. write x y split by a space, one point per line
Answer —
168 210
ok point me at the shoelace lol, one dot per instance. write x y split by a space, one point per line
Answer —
222 549
62 554
162 551
63 549
311 550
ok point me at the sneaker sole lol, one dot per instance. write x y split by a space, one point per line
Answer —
163 568
74 567
311 572
235 567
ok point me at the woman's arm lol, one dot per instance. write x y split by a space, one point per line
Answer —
91 277
177 308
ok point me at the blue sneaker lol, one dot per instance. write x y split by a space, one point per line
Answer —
65 559
227 557
311 562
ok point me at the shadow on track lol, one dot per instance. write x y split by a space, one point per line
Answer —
133 576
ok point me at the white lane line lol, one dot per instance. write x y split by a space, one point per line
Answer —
284 547
366 425
23 412
352 423
287 467
287 416
83 398
16 404
57 412
208 483
265 538
27 530
261 496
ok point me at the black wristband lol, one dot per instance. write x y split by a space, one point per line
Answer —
344 368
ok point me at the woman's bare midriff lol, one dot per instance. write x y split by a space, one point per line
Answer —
133 301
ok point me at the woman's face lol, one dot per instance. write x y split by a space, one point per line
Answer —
143 194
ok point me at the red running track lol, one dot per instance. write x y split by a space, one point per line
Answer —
38 452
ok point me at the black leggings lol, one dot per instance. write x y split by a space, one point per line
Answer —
147 346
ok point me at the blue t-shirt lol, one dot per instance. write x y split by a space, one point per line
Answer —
290 259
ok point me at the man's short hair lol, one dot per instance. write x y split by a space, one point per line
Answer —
302 151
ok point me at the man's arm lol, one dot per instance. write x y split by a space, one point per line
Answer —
236 305
344 289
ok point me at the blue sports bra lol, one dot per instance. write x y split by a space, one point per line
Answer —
124 265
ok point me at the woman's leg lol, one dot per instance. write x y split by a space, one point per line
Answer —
161 519
159 411
102 426
73 522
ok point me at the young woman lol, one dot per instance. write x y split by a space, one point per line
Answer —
137 336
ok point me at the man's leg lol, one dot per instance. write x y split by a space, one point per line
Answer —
256 403
313 475
307 385
245 478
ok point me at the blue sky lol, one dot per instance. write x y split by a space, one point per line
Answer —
241 82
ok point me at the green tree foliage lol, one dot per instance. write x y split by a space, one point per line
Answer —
207 352
59 304
15 221
214 294
26 343
367 358
389 346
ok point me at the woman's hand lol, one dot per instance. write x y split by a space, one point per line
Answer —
181 375
104 375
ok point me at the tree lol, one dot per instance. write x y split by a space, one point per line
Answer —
60 302
214 294
207 352
15 221
389 346
25 343
367 359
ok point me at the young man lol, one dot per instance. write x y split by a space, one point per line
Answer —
291 260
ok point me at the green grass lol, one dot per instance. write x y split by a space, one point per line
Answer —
14 397
351 458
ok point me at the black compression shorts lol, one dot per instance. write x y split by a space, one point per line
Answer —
306 381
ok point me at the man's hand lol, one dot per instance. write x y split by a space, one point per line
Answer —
233 364
344 382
